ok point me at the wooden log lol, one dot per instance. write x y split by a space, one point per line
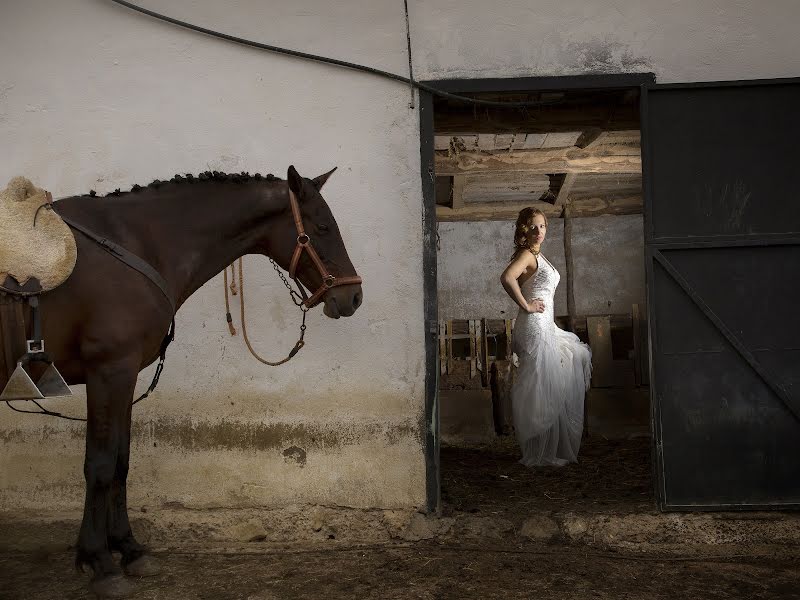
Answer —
502 211
618 158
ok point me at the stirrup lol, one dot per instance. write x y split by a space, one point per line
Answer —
20 386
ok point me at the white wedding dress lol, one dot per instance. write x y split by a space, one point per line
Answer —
551 379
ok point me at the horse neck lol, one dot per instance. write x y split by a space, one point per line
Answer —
211 224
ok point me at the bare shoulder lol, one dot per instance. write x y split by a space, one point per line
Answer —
528 260
523 264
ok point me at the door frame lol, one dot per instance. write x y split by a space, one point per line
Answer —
428 176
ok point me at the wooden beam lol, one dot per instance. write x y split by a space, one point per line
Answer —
459 182
507 211
589 136
566 188
604 159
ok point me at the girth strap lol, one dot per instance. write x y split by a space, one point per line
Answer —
127 257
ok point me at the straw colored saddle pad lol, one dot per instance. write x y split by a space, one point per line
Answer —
37 249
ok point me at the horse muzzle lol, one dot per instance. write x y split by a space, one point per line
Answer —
342 301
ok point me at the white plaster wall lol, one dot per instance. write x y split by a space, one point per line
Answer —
93 96
678 40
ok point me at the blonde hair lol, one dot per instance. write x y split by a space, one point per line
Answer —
523 228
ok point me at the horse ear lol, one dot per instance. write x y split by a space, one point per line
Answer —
320 181
295 181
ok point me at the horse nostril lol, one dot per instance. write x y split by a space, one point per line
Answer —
356 300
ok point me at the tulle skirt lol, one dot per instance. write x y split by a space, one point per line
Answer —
553 374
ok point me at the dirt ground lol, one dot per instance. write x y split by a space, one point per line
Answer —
613 477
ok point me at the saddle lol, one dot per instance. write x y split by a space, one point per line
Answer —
37 254
37 248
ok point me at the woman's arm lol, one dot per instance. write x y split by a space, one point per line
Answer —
510 282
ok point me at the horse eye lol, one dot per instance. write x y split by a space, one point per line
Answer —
323 227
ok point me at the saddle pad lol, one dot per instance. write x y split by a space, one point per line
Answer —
37 249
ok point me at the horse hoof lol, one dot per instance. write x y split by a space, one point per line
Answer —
144 566
113 586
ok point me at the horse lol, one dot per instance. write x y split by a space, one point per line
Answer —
107 321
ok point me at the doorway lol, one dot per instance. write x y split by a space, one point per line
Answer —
576 156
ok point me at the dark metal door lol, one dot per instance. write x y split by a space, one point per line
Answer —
722 231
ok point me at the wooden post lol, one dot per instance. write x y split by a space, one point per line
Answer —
485 352
473 367
449 346
459 182
443 347
570 264
637 343
508 339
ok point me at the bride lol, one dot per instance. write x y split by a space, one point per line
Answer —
554 365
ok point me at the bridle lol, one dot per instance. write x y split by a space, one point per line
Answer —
304 245
302 300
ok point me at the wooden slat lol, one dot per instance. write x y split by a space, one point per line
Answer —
534 141
486 141
459 183
561 140
502 141
518 142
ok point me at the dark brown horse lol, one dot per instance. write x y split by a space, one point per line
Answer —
107 321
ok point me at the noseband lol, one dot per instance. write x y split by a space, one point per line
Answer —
304 245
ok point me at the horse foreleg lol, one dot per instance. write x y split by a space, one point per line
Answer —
135 560
109 388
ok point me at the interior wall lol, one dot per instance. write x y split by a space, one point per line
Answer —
608 258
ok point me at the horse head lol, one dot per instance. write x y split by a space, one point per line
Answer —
311 248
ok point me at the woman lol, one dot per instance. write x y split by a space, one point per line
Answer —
554 365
